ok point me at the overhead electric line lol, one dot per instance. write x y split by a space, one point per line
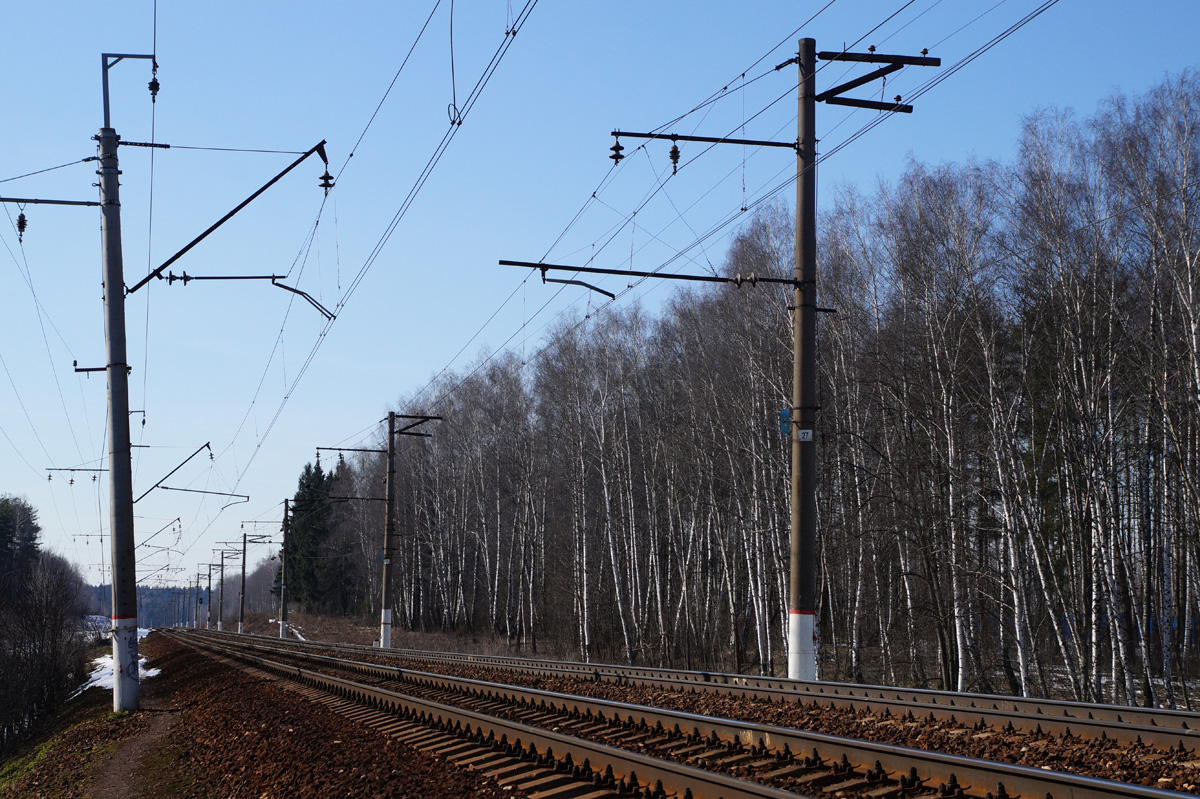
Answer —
439 151
730 218
659 183
49 169
773 191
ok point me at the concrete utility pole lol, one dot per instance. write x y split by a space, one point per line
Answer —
389 524
120 485
798 421
802 583
242 592
283 576
802 590
199 597
389 529
221 596
208 597
259 538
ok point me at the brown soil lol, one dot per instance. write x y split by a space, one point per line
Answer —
72 750
205 730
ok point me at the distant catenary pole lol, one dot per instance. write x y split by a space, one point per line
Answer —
389 505
283 576
242 592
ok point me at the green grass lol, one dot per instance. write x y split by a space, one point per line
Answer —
19 765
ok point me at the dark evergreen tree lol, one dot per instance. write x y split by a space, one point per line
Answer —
19 533
310 524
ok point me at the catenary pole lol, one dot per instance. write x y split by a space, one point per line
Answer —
120 484
800 418
221 596
242 592
208 601
803 632
283 576
802 606
385 623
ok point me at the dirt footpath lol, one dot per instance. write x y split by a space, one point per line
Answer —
207 731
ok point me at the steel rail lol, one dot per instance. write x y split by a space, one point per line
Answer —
1160 717
1156 727
675 778
935 768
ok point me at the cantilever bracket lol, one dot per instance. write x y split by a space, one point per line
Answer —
791 145
35 201
319 149
325 311
596 289
185 278
78 368
737 280
894 64
241 497
159 484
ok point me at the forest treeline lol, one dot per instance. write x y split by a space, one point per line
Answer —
43 638
1008 443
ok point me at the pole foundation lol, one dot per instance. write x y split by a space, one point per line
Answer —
125 664
802 646
385 629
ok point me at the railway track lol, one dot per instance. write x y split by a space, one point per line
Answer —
1157 728
685 752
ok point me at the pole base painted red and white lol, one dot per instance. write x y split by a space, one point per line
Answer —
385 630
125 663
802 645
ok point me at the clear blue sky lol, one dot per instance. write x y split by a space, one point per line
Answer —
214 362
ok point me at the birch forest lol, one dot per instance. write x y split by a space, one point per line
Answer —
1008 443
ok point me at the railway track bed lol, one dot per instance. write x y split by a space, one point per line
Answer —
774 755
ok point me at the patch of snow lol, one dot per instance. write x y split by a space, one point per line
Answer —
102 671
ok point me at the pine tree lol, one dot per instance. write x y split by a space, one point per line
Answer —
19 533
309 528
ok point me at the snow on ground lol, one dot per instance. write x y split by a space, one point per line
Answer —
102 671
